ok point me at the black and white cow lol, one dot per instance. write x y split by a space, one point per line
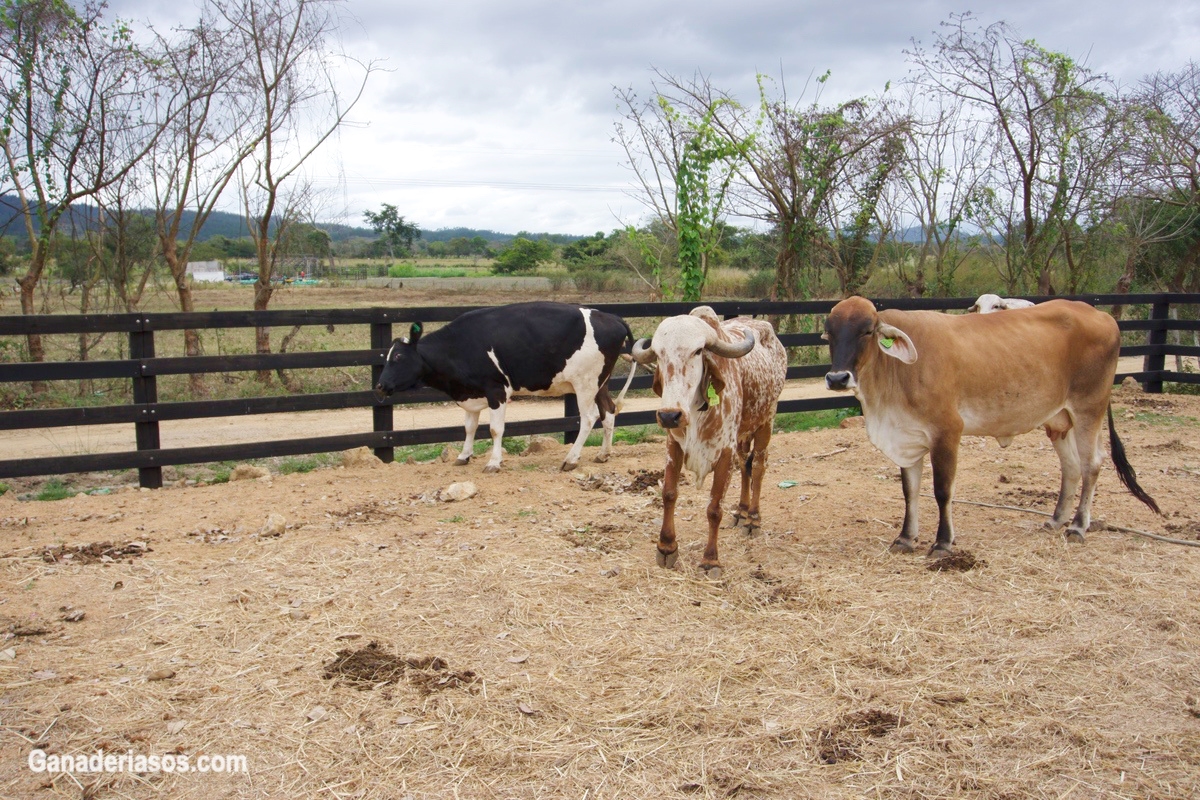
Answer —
486 356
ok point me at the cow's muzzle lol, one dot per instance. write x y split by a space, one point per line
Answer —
839 381
670 419
381 393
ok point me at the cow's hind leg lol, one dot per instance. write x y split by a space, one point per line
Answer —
589 412
1068 459
910 479
1087 440
472 409
758 468
608 419
744 460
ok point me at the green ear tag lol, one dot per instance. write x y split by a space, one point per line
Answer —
714 399
887 342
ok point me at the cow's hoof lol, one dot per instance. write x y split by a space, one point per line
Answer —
902 546
936 552
601 459
753 527
666 560
1052 525
1074 535
569 465
492 468
711 571
461 462
736 520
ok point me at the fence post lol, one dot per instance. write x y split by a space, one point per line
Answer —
145 392
1156 362
381 415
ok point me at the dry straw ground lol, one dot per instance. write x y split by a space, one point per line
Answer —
525 645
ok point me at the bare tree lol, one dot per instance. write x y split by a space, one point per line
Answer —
939 182
74 92
209 131
808 168
1039 103
1168 159
287 76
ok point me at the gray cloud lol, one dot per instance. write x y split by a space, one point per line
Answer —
500 115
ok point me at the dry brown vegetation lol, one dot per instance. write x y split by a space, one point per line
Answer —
522 643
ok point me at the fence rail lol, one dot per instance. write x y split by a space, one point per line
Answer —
142 367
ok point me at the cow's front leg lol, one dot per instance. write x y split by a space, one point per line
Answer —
667 546
910 479
496 425
944 455
711 563
472 408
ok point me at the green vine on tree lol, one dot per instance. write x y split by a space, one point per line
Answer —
699 199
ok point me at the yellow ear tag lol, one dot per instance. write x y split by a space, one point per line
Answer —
714 399
887 342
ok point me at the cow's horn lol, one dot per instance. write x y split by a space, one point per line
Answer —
642 353
727 350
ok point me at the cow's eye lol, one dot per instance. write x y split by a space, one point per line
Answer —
698 352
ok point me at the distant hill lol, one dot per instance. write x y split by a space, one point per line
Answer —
232 226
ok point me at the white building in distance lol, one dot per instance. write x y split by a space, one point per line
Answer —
207 271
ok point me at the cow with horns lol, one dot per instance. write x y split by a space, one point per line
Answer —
926 379
486 356
720 384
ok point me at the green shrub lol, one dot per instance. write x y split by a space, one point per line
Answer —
305 463
599 280
813 420
55 490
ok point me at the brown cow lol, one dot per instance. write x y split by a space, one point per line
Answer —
720 385
925 379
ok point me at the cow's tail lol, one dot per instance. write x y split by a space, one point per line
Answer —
628 380
1125 469
627 347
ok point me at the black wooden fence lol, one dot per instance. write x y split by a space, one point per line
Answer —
145 413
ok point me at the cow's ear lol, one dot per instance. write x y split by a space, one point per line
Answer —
714 379
895 343
414 333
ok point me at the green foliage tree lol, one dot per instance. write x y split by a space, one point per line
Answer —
684 161
523 255
8 254
392 229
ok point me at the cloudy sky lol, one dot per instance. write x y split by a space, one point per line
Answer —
500 115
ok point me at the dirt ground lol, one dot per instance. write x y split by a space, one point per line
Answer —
355 634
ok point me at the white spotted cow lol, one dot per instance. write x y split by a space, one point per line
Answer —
987 303
486 356
720 384
927 379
